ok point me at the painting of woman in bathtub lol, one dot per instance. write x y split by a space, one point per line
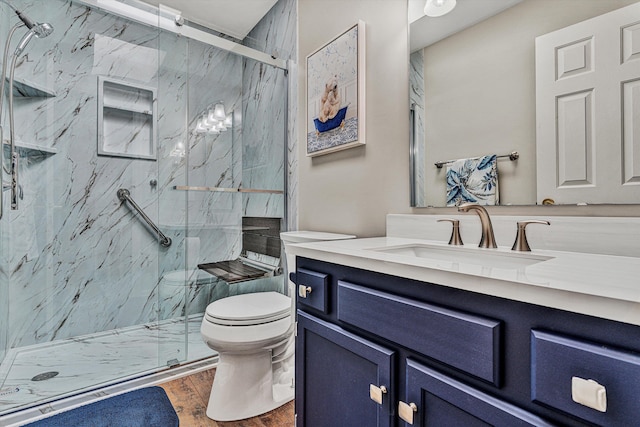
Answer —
335 94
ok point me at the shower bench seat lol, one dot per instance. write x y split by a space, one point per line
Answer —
259 236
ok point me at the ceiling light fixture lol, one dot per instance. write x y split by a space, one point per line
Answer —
435 8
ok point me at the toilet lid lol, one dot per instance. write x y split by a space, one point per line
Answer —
249 309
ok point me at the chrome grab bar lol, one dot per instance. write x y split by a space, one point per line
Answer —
125 196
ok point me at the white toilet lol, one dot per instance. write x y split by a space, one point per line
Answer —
293 237
249 332
253 335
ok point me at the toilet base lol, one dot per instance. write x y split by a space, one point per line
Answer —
243 387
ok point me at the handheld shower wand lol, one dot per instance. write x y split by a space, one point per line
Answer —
40 30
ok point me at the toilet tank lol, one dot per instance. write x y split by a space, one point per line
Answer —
293 237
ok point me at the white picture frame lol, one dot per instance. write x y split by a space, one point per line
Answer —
335 93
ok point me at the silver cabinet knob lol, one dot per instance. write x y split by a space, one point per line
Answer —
376 393
521 243
455 232
303 291
406 411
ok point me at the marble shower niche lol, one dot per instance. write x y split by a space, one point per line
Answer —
127 116
75 264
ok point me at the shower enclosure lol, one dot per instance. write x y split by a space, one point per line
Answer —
119 128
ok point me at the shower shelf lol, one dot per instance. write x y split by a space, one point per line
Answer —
26 89
135 110
225 189
32 151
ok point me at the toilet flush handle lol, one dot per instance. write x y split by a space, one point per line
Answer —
303 291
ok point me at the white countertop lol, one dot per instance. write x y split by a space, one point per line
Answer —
604 286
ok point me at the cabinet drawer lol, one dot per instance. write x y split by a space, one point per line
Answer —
316 294
466 342
556 359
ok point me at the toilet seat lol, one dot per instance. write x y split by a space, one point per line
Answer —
249 309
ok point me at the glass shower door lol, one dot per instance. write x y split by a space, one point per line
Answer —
172 296
79 267
194 77
4 279
4 304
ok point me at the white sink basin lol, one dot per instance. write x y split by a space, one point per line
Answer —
453 254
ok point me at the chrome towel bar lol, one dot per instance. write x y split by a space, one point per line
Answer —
514 155
125 196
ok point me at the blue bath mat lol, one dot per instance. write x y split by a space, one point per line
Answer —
146 407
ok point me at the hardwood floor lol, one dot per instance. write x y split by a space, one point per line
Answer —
190 395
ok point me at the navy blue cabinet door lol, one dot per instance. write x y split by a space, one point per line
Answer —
334 372
443 401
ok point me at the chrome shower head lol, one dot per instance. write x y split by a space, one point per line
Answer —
42 30
38 30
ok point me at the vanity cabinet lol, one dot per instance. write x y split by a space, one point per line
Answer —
382 350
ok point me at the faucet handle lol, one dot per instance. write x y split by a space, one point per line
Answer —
455 232
521 243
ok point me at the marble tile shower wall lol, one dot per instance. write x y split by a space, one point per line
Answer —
79 262
264 100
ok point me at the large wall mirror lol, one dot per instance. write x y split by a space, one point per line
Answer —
474 93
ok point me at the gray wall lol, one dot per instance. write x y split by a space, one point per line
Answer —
351 191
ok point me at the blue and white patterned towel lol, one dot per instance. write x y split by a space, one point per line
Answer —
473 180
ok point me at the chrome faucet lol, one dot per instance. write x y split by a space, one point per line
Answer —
487 240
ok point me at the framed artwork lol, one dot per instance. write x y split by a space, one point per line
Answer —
335 93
